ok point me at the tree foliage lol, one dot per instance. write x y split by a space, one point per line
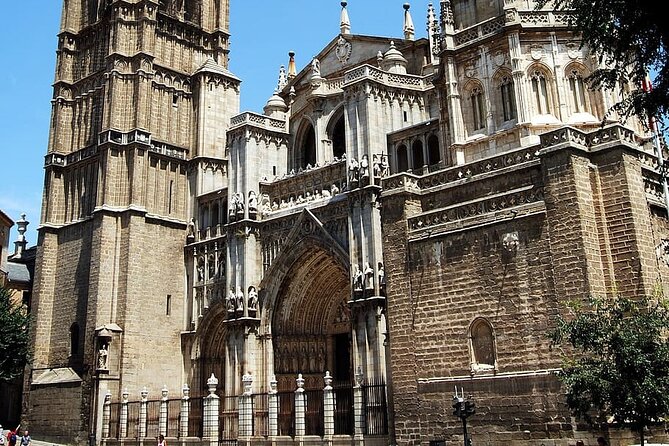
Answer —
619 364
15 349
630 37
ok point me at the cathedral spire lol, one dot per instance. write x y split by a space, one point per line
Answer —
292 69
345 22
409 30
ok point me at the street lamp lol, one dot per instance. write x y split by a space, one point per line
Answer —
463 408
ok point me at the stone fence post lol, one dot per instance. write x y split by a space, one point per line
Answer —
185 412
162 422
211 406
246 408
123 422
106 415
300 407
328 408
143 411
273 409
358 409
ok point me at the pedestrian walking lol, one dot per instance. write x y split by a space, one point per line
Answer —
2 436
25 438
11 436
161 440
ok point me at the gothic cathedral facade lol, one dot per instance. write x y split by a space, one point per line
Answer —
406 217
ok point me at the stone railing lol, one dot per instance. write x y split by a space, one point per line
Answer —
410 81
302 187
478 31
256 120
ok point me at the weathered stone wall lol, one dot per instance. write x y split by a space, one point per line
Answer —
57 415
447 267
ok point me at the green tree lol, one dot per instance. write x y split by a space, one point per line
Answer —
619 363
15 349
631 38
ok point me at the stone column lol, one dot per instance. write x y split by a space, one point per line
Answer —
106 415
358 410
329 405
185 412
143 406
210 419
300 407
123 422
162 423
246 408
273 403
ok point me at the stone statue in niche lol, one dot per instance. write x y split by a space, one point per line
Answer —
357 278
265 206
369 276
353 170
212 267
232 210
190 231
200 269
364 169
253 205
240 299
103 354
230 304
252 299
334 190
239 205
382 279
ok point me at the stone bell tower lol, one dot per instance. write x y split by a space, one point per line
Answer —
142 99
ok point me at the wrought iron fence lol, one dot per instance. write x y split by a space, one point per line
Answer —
314 413
173 417
228 419
260 415
376 408
343 410
286 422
195 417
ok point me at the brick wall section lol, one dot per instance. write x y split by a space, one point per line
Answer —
55 417
402 355
628 222
573 229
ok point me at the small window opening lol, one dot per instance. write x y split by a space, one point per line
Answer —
168 305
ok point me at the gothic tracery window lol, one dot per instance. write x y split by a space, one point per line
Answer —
577 91
508 99
478 111
540 92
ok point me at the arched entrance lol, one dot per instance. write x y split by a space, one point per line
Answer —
311 324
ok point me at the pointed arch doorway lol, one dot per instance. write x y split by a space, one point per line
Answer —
311 327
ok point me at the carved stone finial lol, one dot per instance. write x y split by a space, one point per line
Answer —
108 396
247 380
344 22
409 29
212 384
328 380
300 383
185 391
144 393
164 392
292 68
125 395
273 384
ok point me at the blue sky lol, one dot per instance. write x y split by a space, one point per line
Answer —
263 31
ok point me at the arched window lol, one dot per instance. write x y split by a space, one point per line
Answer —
74 339
306 149
478 111
338 138
508 98
402 159
482 343
433 152
215 214
577 91
417 155
540 92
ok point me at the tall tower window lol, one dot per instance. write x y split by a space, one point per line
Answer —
478 111
338 138
540 92
402 159
434 154
306 155
508 99
74 339
417 155
577 91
